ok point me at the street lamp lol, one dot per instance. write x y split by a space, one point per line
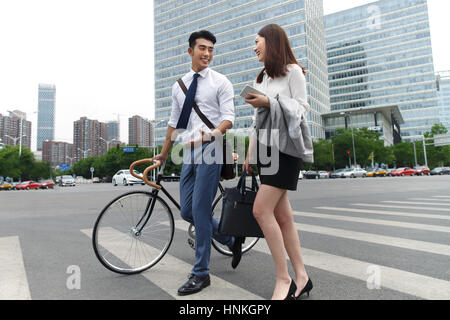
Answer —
353 138
20 130
84 152
107 142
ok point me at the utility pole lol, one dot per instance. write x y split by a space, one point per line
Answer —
425 152
415 154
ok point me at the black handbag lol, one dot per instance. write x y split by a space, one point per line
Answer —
228 171
237 210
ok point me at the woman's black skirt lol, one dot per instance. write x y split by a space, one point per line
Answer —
286 177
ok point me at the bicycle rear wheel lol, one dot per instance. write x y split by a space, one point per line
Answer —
126 239
223 249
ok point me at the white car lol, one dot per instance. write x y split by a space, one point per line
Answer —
354 172
67 181
125 178
323 175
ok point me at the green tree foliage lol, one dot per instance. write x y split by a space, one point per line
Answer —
24 167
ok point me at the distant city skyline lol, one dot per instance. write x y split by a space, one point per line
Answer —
105 70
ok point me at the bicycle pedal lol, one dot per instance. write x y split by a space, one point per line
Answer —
191 243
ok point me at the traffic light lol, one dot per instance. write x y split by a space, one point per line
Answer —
348 153
137 147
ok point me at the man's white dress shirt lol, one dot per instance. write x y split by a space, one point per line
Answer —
214 97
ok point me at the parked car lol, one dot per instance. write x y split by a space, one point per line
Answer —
389 171
172 177
354 173
125 178
96 180
6 186
371 172
440 171
311 175
421 171
405 171
27 185
324 175
337 174
381 172
67 181
47 184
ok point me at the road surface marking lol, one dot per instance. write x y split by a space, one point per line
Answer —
399 207
13 278
171 273
393 213
389 223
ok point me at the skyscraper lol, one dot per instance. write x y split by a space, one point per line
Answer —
46 114
235 24
380 55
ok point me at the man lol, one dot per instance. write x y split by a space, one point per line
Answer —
214 95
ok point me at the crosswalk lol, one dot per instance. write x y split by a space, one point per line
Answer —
417 226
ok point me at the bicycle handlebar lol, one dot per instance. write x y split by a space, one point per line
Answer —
144 175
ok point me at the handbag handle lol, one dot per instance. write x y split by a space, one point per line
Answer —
242 180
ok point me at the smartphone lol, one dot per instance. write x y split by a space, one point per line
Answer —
249 89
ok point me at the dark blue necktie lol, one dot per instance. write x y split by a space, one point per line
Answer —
188 104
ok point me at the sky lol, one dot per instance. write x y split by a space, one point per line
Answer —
99 54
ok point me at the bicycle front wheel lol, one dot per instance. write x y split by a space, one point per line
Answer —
249 242
133 232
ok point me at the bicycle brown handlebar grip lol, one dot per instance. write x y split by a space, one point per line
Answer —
144 175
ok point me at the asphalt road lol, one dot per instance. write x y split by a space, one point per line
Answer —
372 238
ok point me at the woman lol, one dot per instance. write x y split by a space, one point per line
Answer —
281 76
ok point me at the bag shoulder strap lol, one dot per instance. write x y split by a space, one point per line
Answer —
196 108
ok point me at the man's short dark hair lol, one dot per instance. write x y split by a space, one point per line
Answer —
203 34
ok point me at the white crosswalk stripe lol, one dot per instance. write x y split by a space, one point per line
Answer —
13 278
389 213
391 223
412 207
171 272
428 199
416 203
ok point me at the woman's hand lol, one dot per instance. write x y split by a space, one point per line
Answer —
258 100
246 166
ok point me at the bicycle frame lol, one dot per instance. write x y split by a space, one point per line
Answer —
155 192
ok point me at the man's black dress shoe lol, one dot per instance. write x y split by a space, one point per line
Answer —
237 251
194 284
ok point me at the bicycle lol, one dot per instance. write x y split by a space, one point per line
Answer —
135 230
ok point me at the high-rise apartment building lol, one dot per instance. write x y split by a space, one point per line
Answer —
235 24
56 153
89 138
10 128
443 85
379 55
46 114
139 131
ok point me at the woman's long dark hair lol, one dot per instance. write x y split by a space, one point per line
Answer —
278 53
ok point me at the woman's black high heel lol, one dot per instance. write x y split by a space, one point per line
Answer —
291 292
308 287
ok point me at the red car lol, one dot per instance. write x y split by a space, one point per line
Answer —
403 172
47 184
421 171
27 185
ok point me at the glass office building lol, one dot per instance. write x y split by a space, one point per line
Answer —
379 55
443 85
46 114
235 24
